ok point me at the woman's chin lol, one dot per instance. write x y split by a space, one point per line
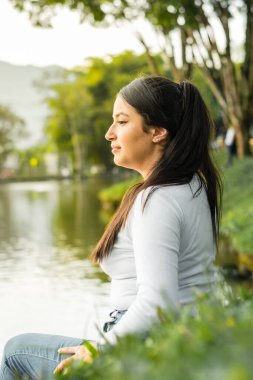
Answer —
123 164
117 160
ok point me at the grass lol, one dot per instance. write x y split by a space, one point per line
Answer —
215 344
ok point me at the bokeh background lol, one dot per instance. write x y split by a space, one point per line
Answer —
61 64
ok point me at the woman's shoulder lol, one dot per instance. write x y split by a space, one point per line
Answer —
169 193
172 202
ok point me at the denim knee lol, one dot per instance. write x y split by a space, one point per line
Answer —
15 344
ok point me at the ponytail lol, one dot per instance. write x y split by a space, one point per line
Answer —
200 155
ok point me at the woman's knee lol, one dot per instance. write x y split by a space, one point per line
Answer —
16 344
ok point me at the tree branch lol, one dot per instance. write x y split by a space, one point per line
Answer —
151 60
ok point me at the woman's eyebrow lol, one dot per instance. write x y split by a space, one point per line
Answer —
121 113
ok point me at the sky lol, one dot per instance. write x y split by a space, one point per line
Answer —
68 43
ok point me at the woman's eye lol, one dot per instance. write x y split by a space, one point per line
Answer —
121 122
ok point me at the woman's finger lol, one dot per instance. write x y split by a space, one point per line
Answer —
68 350
62 365
78 352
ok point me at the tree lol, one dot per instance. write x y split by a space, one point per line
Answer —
11 127
230 82
195 22
69 122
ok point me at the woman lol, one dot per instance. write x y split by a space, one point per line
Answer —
160 246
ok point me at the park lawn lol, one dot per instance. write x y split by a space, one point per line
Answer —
237 219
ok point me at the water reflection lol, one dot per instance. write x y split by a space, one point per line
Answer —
47 283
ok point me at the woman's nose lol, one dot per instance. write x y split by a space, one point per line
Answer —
110 135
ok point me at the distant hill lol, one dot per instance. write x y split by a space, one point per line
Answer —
18 91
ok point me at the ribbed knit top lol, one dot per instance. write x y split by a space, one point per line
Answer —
162 257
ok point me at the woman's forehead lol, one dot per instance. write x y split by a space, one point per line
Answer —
121 107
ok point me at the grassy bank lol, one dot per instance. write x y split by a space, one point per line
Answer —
237 220
111 196
217 344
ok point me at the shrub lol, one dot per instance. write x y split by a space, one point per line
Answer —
217 343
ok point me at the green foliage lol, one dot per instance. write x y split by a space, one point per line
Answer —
25 157
11 127
199 80
238 205
111 196
216 343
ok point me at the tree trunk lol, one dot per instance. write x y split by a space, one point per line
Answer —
247 119
150 58
78 156
239 117
242 140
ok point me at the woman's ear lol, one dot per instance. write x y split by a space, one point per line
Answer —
159 134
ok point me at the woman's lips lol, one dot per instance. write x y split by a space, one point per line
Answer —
115 148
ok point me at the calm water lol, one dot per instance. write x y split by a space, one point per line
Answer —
47 284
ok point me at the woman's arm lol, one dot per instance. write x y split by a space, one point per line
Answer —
156 244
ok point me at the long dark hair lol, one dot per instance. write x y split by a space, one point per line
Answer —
180 109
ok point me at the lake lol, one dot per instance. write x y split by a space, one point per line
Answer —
47 282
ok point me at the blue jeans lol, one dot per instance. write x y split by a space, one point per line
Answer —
34 356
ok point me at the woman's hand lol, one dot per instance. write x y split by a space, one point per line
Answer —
78 353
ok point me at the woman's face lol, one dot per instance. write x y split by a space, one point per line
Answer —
132 147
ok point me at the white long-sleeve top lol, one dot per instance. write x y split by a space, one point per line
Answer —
162 256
